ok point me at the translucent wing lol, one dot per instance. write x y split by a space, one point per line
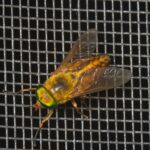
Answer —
83 47
100 79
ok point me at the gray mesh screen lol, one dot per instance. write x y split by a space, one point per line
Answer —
34 38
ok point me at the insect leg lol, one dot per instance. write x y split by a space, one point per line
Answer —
20 91
27 90
83 98
42 123
74 104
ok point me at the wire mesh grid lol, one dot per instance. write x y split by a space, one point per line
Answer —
34 38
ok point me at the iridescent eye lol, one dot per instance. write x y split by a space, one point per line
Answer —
46 98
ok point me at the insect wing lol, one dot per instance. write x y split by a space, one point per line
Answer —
83 47
114 77
101 79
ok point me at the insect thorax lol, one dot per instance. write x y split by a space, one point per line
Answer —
61 85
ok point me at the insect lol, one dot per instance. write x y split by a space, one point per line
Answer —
80 73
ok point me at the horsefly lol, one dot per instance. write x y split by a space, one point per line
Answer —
79 74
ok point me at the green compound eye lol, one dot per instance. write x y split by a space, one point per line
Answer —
46 98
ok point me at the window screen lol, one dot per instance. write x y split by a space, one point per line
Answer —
35 36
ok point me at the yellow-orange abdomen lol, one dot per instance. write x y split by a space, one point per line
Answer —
101 61
98 61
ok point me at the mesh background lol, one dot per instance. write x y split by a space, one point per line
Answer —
34 38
